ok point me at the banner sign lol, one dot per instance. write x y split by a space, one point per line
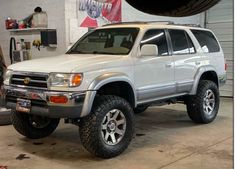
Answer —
94 13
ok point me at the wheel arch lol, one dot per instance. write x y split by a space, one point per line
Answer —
105 81
204 73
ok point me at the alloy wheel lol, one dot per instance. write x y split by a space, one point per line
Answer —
209 102
113 127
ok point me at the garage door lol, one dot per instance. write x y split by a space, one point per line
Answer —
220 20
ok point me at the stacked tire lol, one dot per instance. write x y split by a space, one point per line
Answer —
173 8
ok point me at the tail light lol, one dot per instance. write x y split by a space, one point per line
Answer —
225 66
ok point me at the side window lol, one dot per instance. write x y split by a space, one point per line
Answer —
207 41
156 37
179 42
190 44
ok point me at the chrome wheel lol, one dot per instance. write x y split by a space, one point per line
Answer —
209 102
113 127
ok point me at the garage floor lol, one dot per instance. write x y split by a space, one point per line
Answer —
165 138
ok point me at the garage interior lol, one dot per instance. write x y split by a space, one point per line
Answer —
164 138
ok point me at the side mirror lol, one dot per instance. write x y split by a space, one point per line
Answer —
149 50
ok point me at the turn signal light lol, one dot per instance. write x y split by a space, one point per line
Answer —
58 99
76 80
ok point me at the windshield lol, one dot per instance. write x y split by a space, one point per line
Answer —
112 41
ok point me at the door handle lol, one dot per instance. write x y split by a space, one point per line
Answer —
168 65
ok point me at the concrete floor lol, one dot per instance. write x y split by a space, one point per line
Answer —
165 138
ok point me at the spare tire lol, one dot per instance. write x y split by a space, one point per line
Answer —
173 8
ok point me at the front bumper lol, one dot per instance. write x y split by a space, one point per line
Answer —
41 105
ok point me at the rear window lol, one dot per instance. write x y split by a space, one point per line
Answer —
180 42
190 44
207 41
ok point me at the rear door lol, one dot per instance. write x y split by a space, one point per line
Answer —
186 60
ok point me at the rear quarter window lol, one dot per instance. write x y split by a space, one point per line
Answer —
207 41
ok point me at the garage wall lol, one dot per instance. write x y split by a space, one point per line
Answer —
220 20
19 9
128 14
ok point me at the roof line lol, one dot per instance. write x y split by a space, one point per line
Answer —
152 23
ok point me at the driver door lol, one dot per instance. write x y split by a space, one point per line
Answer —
154 75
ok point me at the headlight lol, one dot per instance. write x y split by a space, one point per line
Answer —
65 79
7 76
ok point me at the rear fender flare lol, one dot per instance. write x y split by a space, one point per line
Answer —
198 75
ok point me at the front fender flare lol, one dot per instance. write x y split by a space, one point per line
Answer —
98 83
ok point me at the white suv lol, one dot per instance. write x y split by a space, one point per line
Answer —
112 72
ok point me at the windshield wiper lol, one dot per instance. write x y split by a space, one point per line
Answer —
93 52
76 52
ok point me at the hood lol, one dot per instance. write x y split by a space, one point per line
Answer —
70 63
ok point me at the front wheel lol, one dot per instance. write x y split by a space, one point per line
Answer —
203 107
33 126
108 130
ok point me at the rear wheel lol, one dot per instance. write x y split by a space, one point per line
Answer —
33 126
204 106
108 130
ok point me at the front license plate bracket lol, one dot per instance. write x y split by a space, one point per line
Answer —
23 105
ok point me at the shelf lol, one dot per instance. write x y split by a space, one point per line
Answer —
28 29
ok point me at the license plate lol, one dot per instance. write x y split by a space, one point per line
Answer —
23 105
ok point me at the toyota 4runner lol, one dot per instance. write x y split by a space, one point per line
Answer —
113 72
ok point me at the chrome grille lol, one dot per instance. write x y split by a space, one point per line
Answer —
30 80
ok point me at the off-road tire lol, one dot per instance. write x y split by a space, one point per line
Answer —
195 103
140 109
21 123
90 127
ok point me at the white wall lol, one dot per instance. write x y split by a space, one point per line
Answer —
19 9
70 13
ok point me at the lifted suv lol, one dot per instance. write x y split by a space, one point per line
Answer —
113 72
